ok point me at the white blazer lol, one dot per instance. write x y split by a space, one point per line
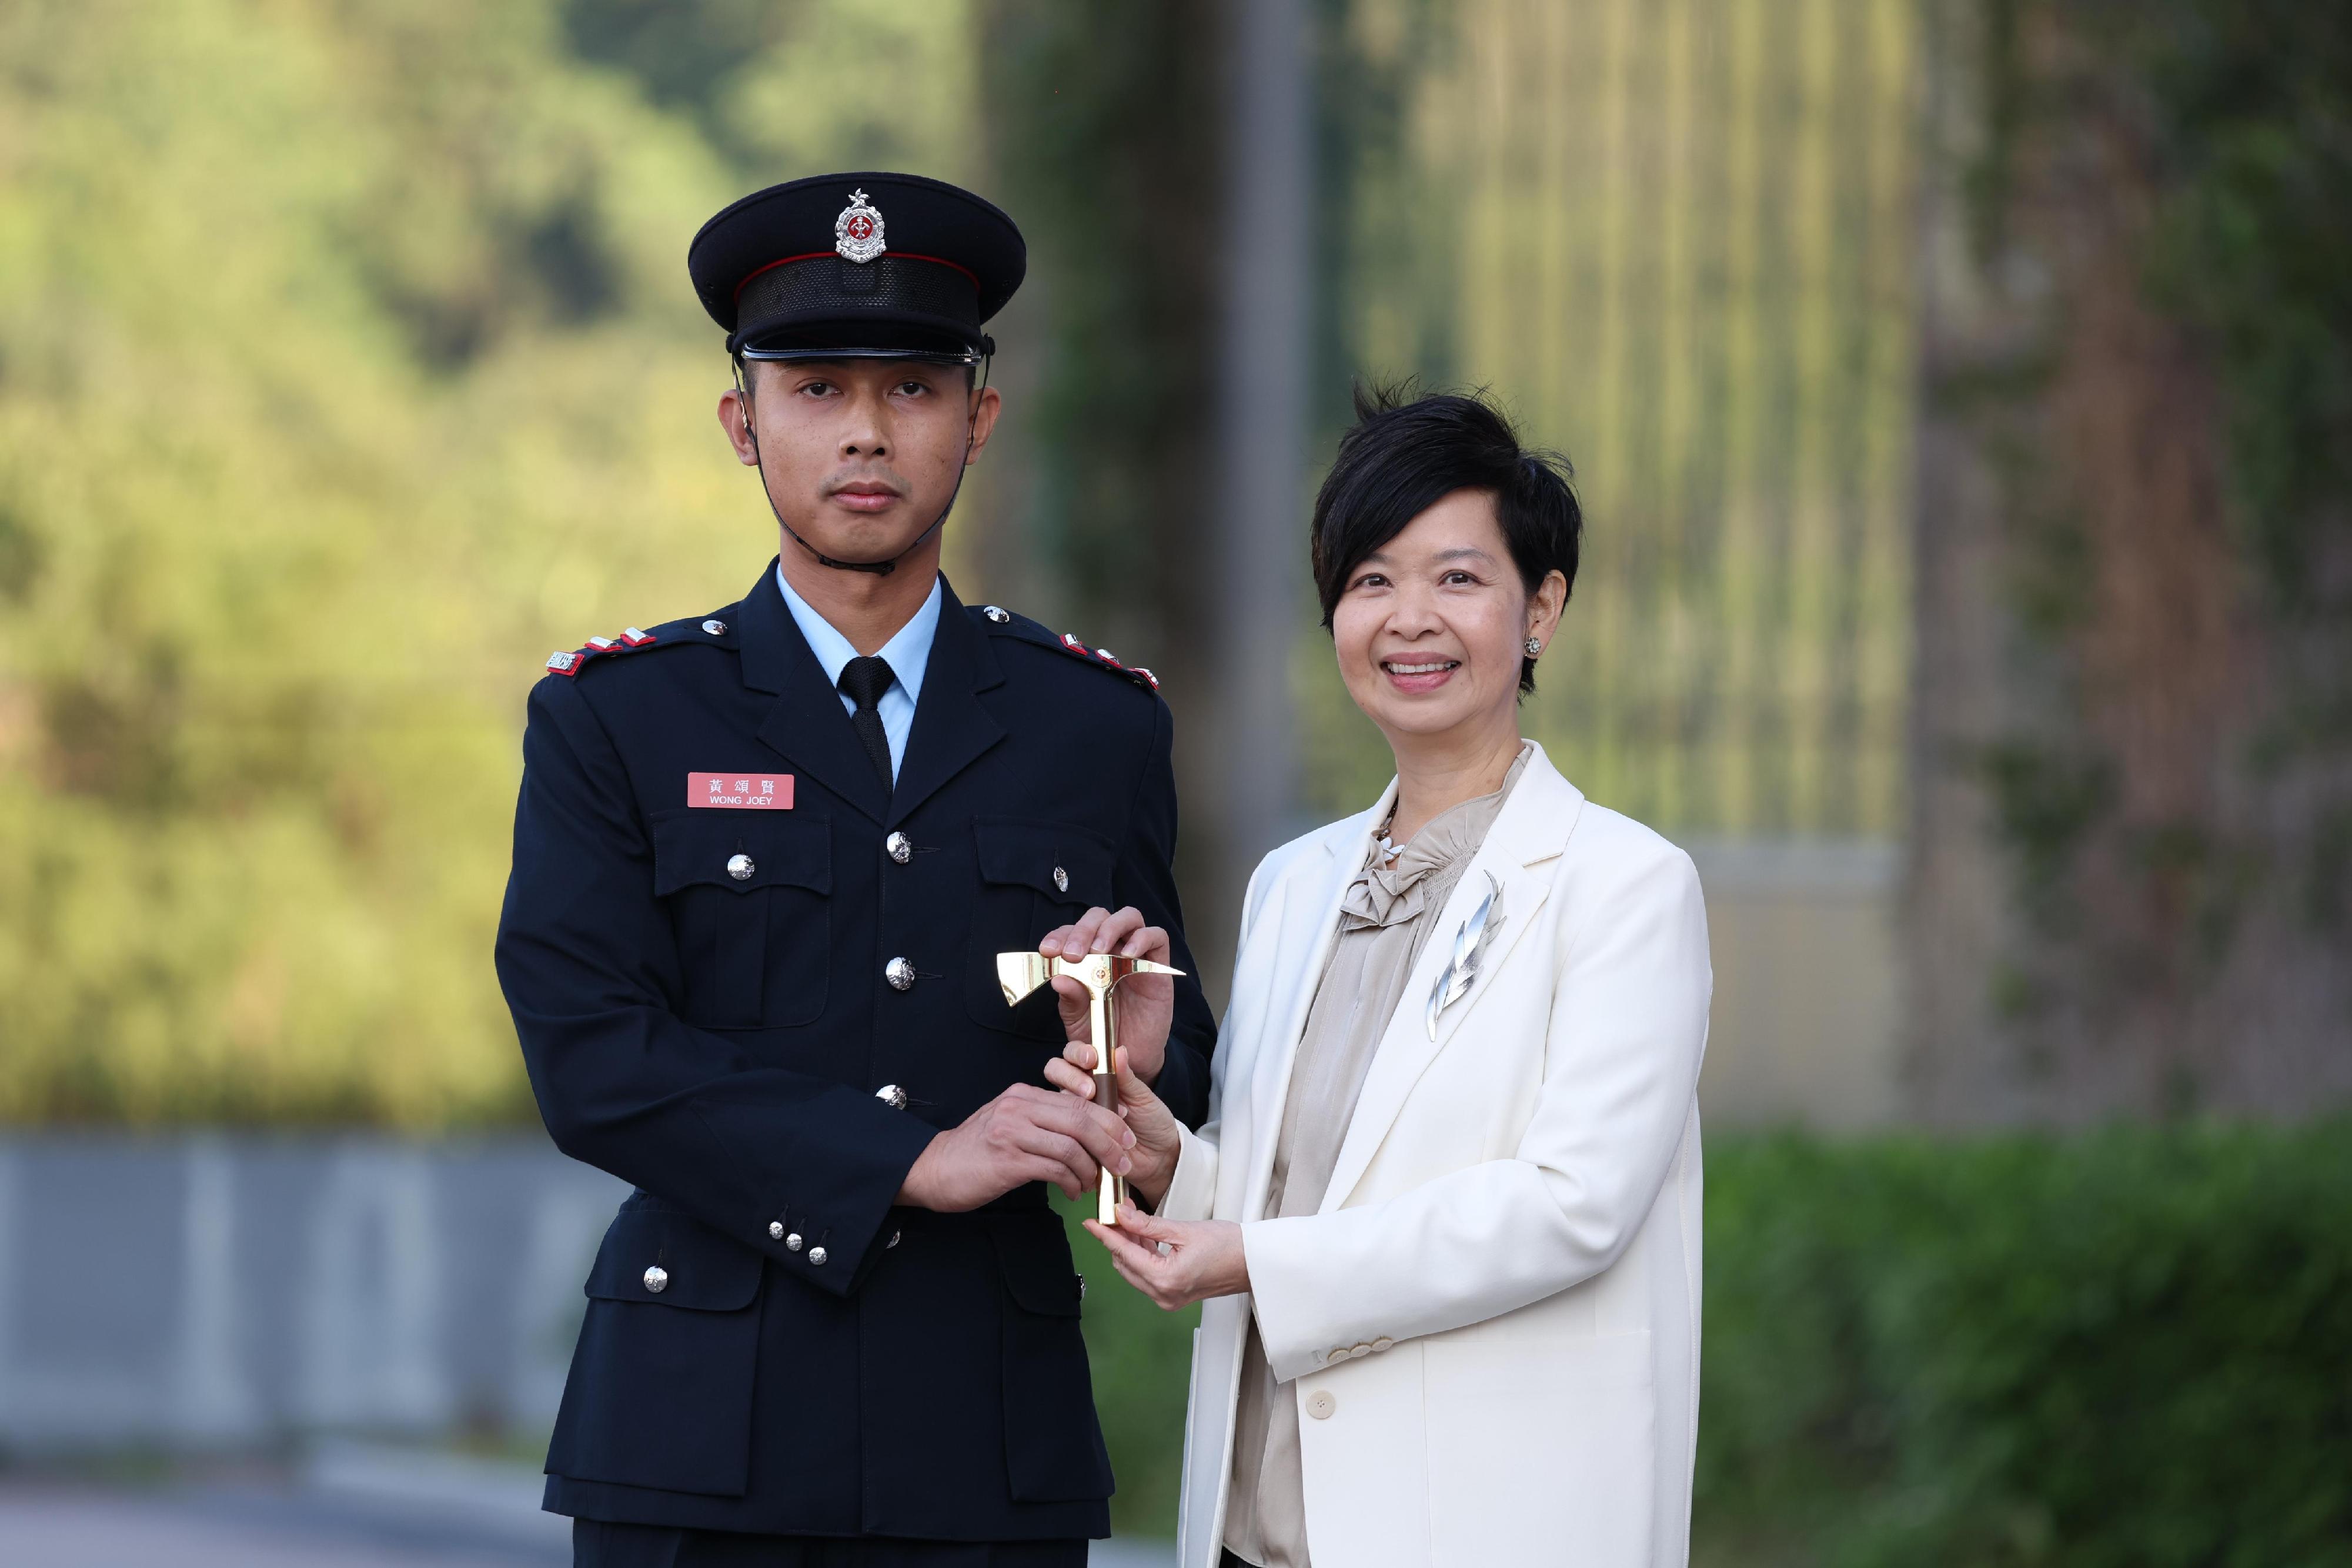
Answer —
1491 1326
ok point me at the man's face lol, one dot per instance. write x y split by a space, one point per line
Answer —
860 455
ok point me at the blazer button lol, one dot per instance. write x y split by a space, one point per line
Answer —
739 867
896 847
817 1255
890 1094
1061 879
1321 1405
775 1230
1383 1343
657 1279
793 1242
900 974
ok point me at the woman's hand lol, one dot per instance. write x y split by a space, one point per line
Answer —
1158 1141
1146 1003
1175 1262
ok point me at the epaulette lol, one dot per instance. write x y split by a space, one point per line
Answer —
1005 620
570 662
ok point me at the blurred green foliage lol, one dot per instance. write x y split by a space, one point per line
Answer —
2123 1349
347 366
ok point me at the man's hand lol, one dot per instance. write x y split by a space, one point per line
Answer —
1146 1004
1158 1142
1025 1134
1176 1262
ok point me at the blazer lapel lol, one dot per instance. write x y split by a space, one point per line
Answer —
952 728
1314 888
1531 831
807 726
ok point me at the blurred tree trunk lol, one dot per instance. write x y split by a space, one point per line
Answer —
1150 400
2130 783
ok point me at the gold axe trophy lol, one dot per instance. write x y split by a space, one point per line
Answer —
1099 973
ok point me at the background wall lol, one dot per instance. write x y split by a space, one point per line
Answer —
211 1292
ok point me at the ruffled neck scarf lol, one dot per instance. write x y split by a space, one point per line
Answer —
1424 871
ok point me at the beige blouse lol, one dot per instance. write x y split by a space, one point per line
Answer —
1385 920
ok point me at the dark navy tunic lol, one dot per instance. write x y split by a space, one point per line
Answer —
770 1344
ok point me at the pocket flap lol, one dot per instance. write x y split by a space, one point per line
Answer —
1033 1253
777 850
700 1270
1013 853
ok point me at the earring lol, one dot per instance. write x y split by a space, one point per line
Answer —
1533 647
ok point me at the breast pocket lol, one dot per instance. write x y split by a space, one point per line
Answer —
1033 877
748 894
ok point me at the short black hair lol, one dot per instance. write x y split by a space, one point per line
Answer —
1406 454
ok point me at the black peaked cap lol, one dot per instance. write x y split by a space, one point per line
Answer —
787 267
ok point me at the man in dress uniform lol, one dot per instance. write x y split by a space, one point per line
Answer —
764 859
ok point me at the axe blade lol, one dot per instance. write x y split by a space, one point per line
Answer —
1022 973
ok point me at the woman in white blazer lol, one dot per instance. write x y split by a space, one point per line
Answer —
1464 1327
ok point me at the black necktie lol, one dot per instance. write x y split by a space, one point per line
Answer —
864 681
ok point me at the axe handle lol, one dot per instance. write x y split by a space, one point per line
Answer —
1112 1190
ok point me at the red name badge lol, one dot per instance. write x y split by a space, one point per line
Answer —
741 791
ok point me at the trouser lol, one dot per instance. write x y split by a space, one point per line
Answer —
597 1544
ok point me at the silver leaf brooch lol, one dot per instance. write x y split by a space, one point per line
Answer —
1470 945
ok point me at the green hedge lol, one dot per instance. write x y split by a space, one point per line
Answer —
2128 1347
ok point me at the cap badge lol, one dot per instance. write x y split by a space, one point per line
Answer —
858 232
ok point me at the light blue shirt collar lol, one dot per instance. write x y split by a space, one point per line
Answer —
908 651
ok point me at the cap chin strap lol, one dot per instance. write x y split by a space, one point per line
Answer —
877 568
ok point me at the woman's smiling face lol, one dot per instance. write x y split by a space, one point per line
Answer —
1430 627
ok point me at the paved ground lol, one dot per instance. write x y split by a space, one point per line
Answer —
347 1508
59 1527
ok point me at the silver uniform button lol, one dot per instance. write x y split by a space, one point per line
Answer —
1061 879
896 847
994 613
817 1255
739 867
890 1094
900 974
775 1230
793 1242
715 628
894 1237
657 1279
